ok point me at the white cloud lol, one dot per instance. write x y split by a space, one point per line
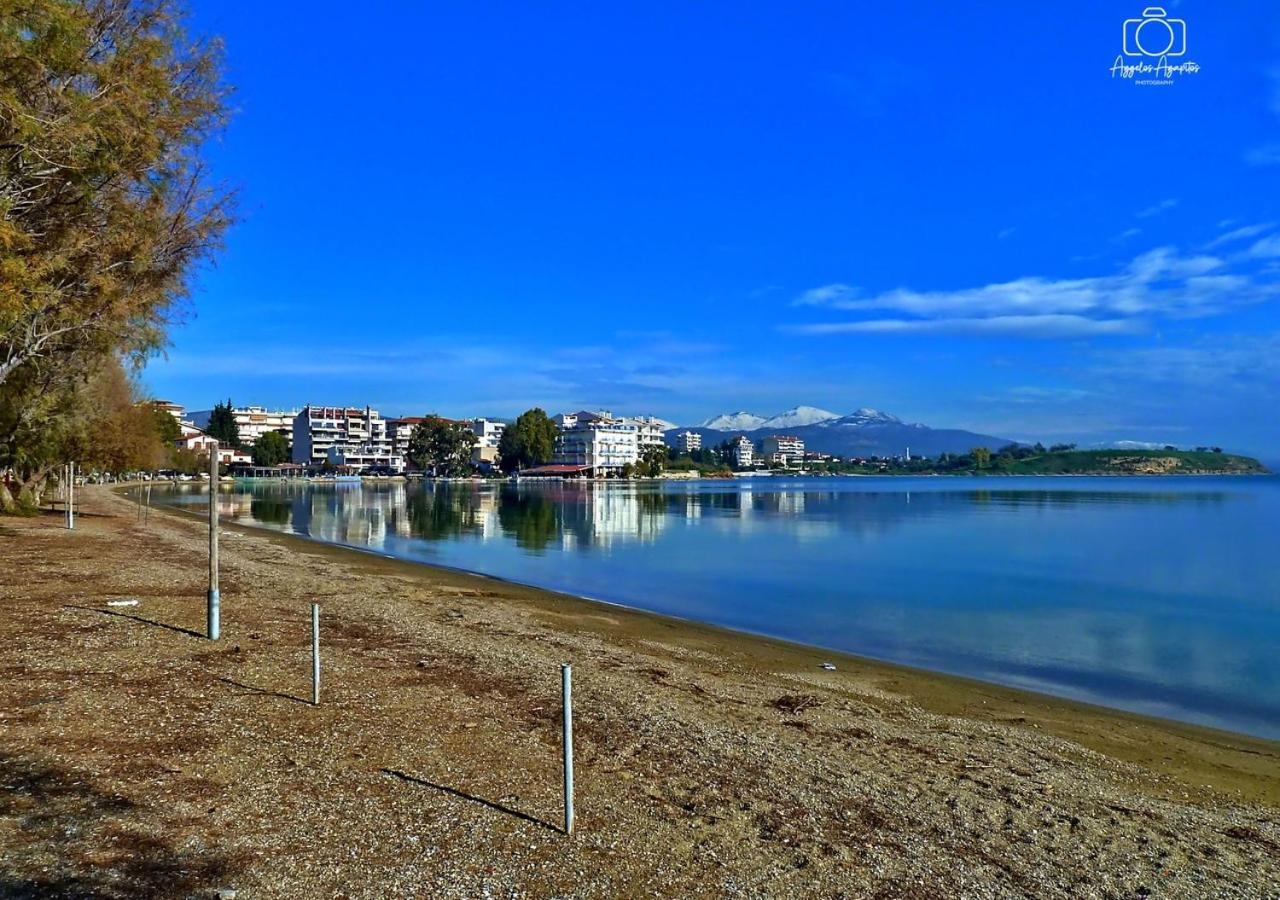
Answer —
1239 234
1267 247
1155 210
1160 283
1266 155
1050 326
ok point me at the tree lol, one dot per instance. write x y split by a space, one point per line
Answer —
981 457
442 446
94 418
166 426
652 461
222 425
106 209
270 450
530 441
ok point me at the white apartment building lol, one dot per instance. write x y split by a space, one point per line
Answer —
783 449
597 441
744 452
399 430
344 436
253 421
488 432
689 441
649 431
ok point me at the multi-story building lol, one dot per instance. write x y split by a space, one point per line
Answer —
783 449
399 430
174 409
343 436
744 452
488 432
649 431
688 441
253 422
596 441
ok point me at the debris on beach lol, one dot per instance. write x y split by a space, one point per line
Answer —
122 603
830 667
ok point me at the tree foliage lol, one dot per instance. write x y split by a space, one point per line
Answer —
652 461
530 441
270 450
222 425
442 447
105 206
94 419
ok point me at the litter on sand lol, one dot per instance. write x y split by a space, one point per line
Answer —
830 667
122 603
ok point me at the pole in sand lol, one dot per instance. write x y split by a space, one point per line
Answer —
215 601
71 495
315 654
566 688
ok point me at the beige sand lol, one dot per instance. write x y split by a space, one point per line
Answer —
141 760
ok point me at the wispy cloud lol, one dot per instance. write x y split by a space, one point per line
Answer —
1266 155
1160 283
1048 326
1242 233
1156 209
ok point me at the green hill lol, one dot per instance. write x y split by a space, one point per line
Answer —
1133 462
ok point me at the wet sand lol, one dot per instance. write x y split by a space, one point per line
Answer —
143 759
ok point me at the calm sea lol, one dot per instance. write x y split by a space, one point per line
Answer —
1158 595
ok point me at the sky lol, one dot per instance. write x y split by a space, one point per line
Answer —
965 215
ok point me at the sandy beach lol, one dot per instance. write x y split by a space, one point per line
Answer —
141 760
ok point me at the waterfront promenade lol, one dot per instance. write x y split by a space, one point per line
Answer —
142 760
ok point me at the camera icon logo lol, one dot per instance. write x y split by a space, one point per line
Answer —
1155 34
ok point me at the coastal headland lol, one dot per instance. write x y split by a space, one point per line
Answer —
141 759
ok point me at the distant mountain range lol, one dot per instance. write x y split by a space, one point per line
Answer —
864 432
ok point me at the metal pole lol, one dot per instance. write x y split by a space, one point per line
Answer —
146 517
215 601
71 495
315 654
566 687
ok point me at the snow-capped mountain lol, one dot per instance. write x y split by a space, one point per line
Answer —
798 416
864 416
865 431
738 421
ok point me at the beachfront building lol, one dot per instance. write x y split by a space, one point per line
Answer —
596 442
649 431
346 437
488 432
176 410
400 430
783 450
688 441
744 452
197 441
253 422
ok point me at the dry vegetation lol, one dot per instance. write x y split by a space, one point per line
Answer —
140 760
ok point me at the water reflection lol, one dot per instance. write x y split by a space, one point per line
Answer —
1160 595
566 515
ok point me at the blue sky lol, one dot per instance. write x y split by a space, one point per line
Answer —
960 216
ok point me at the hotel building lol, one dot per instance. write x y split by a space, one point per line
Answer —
689 441
744 452
597 442
783 449
253 421
348 437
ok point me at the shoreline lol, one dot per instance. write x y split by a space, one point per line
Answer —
146 760
938 691
731 633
